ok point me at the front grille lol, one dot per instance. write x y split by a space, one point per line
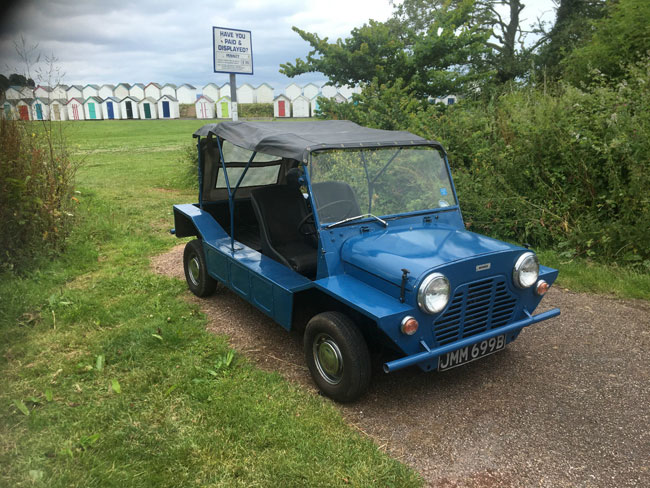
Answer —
475 308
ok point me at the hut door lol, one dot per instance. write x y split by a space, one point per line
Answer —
224 110
57 112
129 110
7 111
165 109
109 108
39 111
281 109
23 112
91 110
147 111
75 111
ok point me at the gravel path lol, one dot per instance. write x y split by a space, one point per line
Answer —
567 404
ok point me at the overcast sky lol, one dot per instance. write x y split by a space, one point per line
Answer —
113 41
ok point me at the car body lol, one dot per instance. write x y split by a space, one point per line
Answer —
359 231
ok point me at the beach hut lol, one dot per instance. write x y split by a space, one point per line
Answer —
282 106
129 108
23 106
14 93
75 108
168 89
106 91
300 106
245 93
148 109
42 92
40 109
27 92
264 93
186 93
314 105
329 91
346 91
58 109
121 91
224 108
339 98
204 107
293 91
59 92
74 91
224 90
93 108
137 91
153 91
168 107
211 90
111 108
90 91
9 110
310 90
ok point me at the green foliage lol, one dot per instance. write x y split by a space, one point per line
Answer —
254 110
620 38
37 203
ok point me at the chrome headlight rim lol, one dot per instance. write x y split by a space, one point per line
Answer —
422 293
519 264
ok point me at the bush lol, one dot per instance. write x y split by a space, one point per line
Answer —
251 110
36 191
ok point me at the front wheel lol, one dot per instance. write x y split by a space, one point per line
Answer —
337 356
196 273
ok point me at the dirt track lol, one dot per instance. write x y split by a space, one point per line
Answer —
567 404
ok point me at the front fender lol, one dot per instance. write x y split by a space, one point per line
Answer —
189 220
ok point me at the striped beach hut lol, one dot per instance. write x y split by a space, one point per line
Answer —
224 108
204 107
40 109
129 108
75 108
111 108
148 108
93 108
58 110
282 106
168 107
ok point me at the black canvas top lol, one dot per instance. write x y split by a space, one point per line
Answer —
295 140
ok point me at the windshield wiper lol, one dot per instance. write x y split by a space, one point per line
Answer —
350 219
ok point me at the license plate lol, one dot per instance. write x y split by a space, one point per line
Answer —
471 353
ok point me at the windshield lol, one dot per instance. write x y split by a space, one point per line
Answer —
386 181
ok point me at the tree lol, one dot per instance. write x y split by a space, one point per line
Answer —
573 27
619 39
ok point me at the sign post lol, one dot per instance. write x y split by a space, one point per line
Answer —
233 54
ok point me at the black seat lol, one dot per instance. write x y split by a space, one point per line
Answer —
279 210
335 201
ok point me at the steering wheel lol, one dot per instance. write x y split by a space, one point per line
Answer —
309 218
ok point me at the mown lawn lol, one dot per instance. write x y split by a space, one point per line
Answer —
109 377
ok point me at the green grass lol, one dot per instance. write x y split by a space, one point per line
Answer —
109 377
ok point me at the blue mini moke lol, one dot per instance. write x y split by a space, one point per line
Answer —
356 232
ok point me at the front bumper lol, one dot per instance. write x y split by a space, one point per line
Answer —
431 354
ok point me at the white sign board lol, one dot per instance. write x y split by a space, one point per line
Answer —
233 51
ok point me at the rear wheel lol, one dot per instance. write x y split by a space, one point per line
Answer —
196 274
337 356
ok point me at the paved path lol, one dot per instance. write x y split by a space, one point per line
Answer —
567 404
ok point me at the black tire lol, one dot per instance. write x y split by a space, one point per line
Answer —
196 274
337 356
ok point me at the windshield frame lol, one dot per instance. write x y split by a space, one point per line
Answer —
388 217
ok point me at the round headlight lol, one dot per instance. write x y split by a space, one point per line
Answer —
526 270
433 293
